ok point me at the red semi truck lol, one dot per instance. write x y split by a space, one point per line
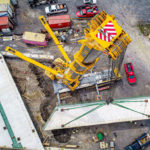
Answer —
59 22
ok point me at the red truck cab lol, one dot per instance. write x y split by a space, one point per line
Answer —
130 73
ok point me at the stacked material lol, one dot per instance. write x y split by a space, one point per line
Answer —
62 21
34 38
6 15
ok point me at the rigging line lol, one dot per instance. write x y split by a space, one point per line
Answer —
109 66
87 105
127 101
116 64
112 63
73 48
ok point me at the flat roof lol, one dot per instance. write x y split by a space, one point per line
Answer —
16 113
87 114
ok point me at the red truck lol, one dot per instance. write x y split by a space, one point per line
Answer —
59 22
6 25
130 73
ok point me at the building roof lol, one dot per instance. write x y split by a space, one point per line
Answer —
121 110
16 113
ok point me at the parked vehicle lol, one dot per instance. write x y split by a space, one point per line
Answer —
84 3
58 22
34 38
56 8
130 73
87 12
34 3
142 142
5 10
6 24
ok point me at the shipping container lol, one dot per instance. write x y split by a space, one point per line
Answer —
7 2
6 8
34 38
62 21
5 23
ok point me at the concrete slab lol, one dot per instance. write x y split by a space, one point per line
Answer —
93 114
16 113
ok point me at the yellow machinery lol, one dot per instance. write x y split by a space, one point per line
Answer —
102 35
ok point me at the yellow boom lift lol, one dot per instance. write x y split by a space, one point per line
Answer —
102 35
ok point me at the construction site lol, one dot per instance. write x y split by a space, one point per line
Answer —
74 75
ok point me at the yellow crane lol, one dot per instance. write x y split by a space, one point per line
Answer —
103 34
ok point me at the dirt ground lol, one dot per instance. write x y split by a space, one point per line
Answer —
37 91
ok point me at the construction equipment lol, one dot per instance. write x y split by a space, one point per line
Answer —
141 143
103 35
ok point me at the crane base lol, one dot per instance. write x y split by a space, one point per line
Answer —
91 79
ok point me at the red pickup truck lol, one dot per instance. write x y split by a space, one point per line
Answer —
130 73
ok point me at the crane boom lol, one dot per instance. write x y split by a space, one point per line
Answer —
49 30
20 55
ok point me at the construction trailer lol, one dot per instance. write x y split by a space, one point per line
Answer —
34 38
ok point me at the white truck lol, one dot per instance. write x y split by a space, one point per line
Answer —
56 8
84 3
